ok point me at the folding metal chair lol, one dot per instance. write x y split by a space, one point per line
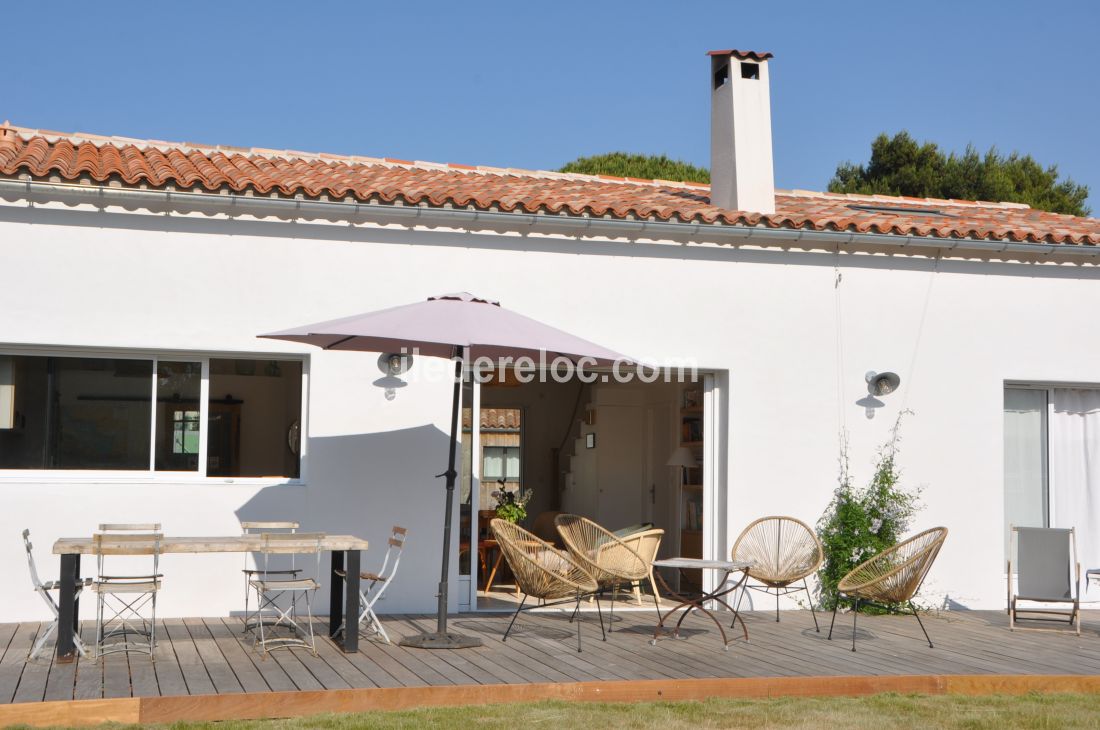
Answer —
251 618
122 598
270 590
44 590
373 585
1048 572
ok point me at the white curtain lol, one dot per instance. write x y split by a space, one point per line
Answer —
1074 460
1025 455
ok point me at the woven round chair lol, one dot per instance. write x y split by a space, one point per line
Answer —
892 577
543 572
610 560
783 551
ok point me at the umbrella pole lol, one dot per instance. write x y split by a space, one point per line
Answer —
440 639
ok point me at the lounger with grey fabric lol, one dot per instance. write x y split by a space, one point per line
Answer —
1047 573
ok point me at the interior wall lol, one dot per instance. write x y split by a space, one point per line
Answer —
547 419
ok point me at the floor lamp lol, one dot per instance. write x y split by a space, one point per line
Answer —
682 459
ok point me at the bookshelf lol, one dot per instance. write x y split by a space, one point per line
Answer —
691 483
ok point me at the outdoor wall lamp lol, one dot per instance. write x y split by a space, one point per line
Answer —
878 384
392 364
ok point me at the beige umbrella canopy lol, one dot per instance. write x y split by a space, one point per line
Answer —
453 325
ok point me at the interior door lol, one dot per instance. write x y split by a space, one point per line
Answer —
620 447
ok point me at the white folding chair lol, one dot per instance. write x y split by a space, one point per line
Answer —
44 590
373 585
252 618
121 599
269 590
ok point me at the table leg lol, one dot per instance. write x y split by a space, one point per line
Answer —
67 605
493 573
336 594
699 604
351 606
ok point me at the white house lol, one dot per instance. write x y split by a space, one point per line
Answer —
137 275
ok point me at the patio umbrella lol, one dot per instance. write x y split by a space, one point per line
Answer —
453 325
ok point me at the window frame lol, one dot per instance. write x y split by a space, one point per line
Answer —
151 475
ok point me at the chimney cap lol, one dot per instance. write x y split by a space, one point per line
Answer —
754 55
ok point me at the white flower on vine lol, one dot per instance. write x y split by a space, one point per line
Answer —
876 525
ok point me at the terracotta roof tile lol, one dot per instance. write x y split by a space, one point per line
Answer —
203 167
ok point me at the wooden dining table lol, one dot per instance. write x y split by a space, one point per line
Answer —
345 560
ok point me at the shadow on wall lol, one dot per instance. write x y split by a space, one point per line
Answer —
362 485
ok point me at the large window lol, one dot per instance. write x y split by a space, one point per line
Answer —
134 414
1052 462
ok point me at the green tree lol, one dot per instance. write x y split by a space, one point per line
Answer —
900 165
648 167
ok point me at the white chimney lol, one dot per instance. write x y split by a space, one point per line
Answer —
741 176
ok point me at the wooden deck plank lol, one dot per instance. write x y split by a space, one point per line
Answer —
339 662
116 675
188 659
246 672
32 683
480 663
221 674
14 662
230 632
89 673
166 668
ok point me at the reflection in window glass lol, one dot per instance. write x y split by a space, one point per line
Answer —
254 420
178 391
77 413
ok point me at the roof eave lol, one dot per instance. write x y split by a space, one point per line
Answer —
719 231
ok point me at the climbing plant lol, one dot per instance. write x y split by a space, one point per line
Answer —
862 522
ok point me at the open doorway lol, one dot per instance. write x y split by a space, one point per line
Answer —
628 456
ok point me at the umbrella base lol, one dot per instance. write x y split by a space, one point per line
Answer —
436 640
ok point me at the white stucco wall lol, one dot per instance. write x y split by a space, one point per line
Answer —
87 279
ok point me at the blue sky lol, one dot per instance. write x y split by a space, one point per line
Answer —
537 84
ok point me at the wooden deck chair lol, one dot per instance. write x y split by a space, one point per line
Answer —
1048 572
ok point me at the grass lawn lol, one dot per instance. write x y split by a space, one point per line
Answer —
879 712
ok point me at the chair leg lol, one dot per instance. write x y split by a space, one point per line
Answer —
777 605
42 640
914 610
836 605
309 618
653 585
599 612
153 629
611 616
855 614
515 615
578 623
810 598
99 626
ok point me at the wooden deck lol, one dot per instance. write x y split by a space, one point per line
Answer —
209 656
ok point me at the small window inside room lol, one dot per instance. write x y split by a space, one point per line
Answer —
500 463
145 414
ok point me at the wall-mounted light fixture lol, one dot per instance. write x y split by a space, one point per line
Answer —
392 364
878 384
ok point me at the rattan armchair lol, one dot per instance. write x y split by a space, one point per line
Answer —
783 551
892 577
646 543
610 560
543 572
